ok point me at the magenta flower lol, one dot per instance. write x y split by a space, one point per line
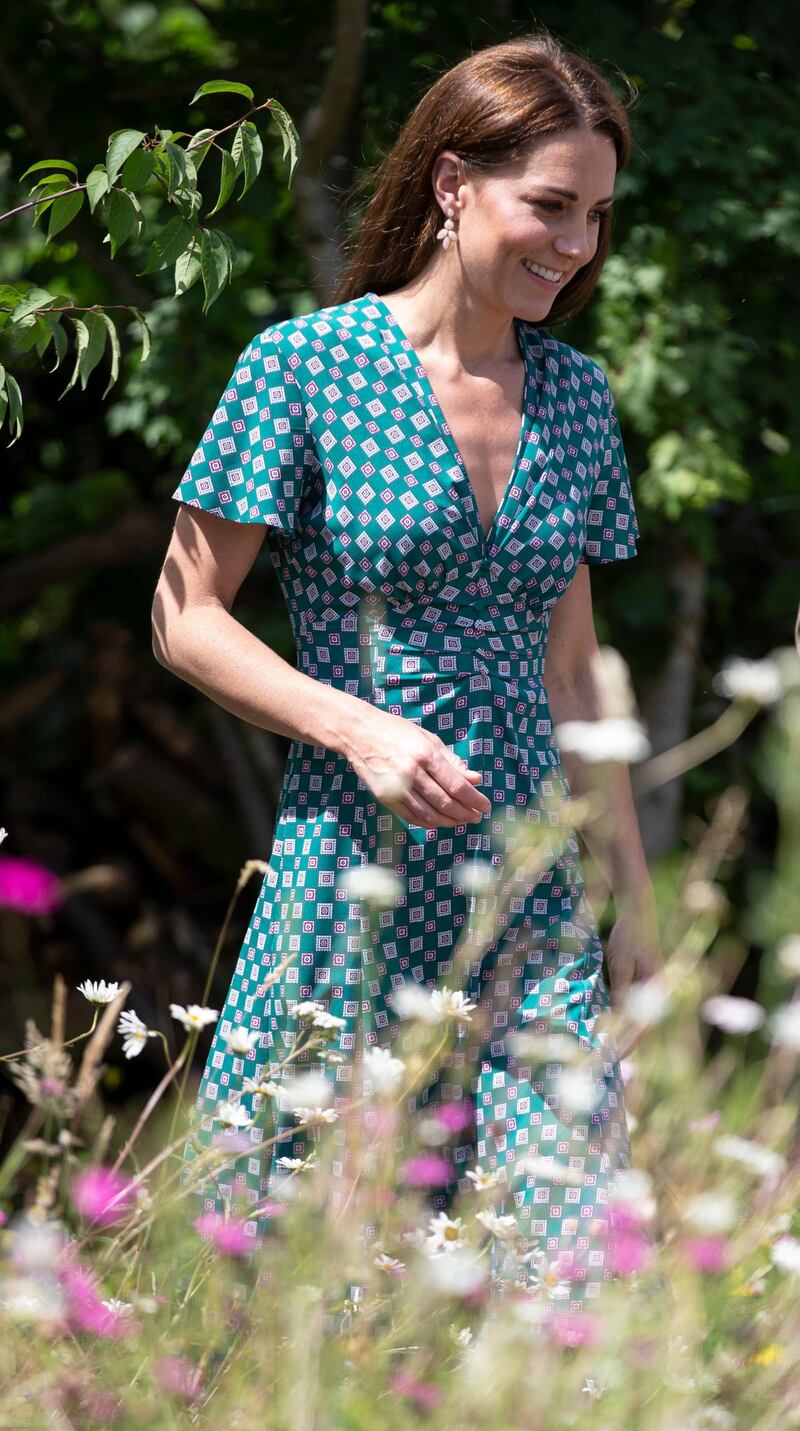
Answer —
179 1376
706 1123
228 1237
706 1254
455 1116
101 1195
85 1310
427 1397
429 1170
28 886
572 1329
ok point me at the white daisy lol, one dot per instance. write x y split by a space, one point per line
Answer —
98 993
233 1115
411 1001
504 1228
306 1090
311 1116
135 1033
194 1016
370 884
241 1040
264 1087
756 681
297 1165
785 1253
613 738
646 1001
482 1179
555 1285
784 1026
307 1008
445 1233
752 1155
462 1336
452 1004
384 1070
326 1020
389 1264
733 1015
711 1213
120 1309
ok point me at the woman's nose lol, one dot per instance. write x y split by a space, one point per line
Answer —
574 244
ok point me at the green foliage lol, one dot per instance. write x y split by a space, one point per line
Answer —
159 167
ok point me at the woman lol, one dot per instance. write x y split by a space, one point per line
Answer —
433 474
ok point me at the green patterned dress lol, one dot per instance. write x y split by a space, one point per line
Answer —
330 435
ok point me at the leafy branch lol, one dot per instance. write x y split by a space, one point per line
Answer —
166 169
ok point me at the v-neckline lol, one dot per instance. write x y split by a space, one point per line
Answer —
485 538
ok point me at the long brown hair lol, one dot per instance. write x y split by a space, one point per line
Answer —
488 108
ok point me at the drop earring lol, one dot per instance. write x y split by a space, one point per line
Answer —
449 233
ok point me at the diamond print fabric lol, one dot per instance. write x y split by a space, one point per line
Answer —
330 435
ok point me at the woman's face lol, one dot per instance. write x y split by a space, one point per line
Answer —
525 230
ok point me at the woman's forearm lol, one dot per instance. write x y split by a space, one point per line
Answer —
207 647
615 841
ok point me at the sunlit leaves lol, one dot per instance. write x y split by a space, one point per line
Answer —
288 133
120 145
124 217
137 171
97 185
227 179
215 265
187 269
247 152
174 238
222 87
10 404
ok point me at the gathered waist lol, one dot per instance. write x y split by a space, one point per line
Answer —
424 643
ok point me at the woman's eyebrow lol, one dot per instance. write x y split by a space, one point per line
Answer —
569 194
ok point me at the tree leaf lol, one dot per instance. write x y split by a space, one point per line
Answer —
14 407
223 87
96 185
91 352
177 170
214 266
63 212
227 179
145 334
59 338
120 144
187 270
81 344
170 244
247 151
49 164
137 171
34 299
122 217
289 135
113 337
199 146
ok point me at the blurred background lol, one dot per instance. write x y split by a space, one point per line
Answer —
141 793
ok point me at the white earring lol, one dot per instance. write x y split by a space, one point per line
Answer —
448 234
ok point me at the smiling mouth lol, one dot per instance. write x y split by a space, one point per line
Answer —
551 276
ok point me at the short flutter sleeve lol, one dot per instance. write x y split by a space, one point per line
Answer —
611 527
252 459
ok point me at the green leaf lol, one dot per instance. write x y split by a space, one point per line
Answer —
187 270
34 299
97 185
289 135
50 164
93 351
120 144
247 151
177 169
199 146
145 334
59 338
28 334
137 171
227 179
113 337
53 182
214 266
81 344
122 217
223 87
170 244
14 407
63 212
9 295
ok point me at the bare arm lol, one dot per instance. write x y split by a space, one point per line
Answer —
572 694
194 635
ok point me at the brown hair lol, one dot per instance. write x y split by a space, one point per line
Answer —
488 109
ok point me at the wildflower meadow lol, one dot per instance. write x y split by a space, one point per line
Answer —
125 1302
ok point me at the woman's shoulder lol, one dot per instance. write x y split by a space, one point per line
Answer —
310 335
571 362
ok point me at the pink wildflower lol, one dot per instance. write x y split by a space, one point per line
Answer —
706 1254
179 1376
85 1310
427 1397
455 1116
101 1195
228 1237
428 1170
28 886
572 1329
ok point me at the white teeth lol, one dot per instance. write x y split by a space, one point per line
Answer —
552 274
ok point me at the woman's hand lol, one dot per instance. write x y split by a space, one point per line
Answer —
414 774
633 948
